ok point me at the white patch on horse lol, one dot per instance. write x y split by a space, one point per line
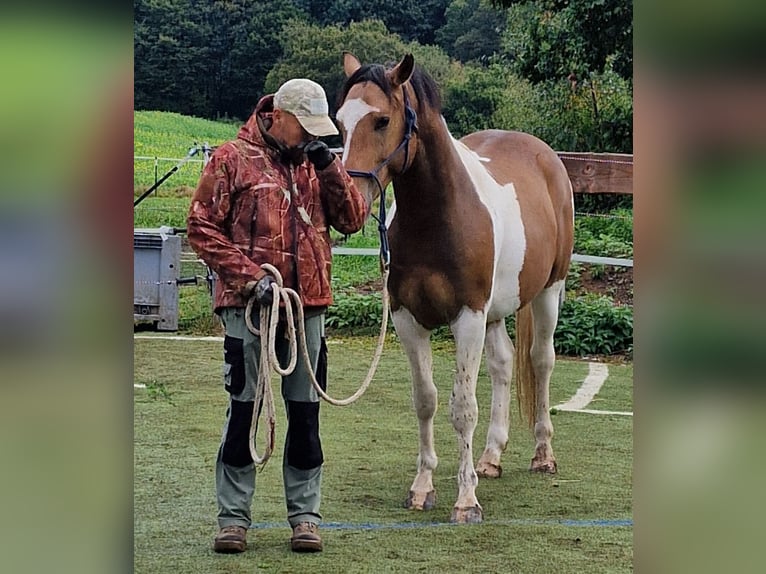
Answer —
390 214
510 242
350 113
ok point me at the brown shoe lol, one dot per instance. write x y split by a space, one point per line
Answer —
231 540
306 538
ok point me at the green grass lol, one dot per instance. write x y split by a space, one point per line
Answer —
370 451
171 135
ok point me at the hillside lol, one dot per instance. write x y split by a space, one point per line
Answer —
169 136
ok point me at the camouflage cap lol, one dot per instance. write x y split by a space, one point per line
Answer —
306 100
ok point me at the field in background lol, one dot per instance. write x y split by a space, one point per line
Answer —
574 521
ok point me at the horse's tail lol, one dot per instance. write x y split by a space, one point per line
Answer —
526 384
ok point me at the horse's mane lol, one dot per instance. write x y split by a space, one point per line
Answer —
426 90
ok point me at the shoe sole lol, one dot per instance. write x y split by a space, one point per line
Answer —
229 547
305 546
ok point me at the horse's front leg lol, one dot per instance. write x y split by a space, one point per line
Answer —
469 330
416 343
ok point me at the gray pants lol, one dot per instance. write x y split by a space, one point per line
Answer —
302 462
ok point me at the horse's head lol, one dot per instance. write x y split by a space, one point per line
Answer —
378 122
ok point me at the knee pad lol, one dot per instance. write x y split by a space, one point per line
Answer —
304 449
234 359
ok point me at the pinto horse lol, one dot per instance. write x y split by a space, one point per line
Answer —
482 228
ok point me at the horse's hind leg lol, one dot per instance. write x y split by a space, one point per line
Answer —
545 309
416 342
499 352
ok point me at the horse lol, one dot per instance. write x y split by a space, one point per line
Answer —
482 229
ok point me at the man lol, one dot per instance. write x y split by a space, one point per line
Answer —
269 197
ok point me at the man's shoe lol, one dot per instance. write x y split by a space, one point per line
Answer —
306 538
231 540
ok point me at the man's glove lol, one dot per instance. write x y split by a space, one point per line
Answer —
261 290
319 154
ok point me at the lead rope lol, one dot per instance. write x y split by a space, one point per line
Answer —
269 317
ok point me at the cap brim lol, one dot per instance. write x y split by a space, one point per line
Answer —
318 125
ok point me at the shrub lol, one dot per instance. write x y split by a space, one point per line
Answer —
594 325
588 325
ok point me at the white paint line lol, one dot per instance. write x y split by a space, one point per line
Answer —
178 338
139 386
595 412
597 374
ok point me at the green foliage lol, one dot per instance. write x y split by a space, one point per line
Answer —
314 51
206 58
472 30
594 325
609 236
413 20
477 98
595 114
551 39
588 325
355 314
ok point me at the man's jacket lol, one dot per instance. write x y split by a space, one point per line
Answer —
253 207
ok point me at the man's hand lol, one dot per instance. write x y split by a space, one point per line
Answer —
319 154
261 290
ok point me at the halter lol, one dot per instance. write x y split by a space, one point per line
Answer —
410 127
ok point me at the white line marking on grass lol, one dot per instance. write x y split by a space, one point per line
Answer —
595 412
138 386
178 337
597 374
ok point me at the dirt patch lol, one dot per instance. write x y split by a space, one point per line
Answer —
614 282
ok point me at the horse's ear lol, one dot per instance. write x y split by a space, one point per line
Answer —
403 70
350 64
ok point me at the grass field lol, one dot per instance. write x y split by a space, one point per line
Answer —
533 524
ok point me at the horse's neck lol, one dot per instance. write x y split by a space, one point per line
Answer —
436 173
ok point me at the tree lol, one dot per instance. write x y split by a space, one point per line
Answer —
410 19
548 39
481 98
472 30
315 52
203 58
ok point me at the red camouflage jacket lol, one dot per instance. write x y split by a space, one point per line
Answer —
250 207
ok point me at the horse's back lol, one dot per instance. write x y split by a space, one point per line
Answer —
544 193
518 157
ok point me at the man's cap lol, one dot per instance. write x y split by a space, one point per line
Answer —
306 100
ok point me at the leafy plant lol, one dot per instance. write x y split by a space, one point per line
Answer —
157 390
594 325
355 314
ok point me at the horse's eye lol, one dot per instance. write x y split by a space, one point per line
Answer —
381 123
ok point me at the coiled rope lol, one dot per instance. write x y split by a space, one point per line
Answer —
269 318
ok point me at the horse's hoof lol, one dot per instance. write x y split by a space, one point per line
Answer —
489 470
416 501
472 515
546 466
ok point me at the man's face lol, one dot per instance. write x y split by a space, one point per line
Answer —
290 131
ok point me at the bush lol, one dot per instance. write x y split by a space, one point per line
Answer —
594 325
588 325
355 314
610 236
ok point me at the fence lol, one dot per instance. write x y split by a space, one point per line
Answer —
592 173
